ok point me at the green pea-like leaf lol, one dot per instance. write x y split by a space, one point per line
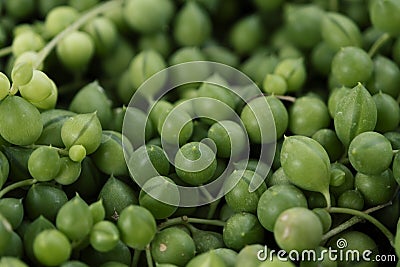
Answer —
13 210
207 240
40 91
22 73
148 16
4 85
104 236
33 229
109 157
69 171
192 26
137 226
97 211
44 200
5 233
206 259
102 35
385 16
91 98
335 99
339 31
293 71
385 77
116 195
303 24
53 120
82 129
18 160
142 67
160 196
74 219
306 163
20 122
356 114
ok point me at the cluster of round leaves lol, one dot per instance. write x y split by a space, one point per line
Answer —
334 148
50 241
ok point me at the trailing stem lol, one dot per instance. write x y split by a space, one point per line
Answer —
75 26
362 215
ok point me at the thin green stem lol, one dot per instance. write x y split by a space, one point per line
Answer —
13 89
171 222
367 217
378 44
213 205
191 228
149 258
5 51
327 197
186 220
75 26
61 151
352 221
17 185
379 207
340 228
206 221
136 257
